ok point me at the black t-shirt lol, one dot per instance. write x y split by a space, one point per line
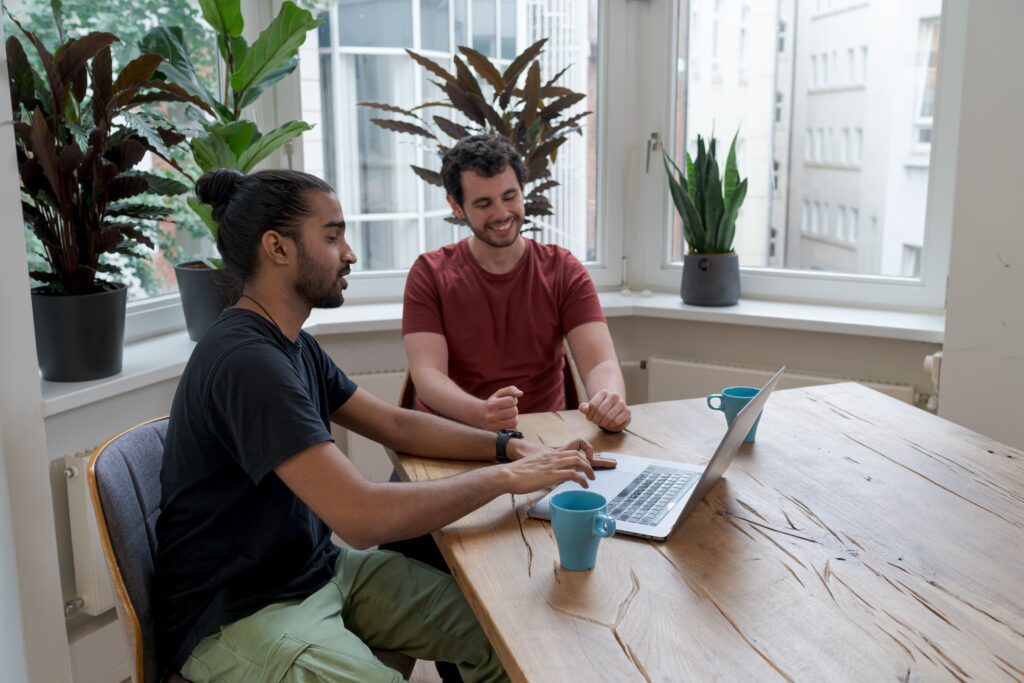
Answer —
231 537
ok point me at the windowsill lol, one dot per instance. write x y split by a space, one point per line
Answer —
163 358
834 241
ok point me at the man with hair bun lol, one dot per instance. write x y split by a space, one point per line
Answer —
248 586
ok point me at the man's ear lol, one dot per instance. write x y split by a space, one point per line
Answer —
456 209
277 247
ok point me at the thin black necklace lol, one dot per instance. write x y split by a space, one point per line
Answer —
262 308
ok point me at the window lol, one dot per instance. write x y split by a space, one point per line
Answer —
841 222
858 146
716 24
844 149
809 145
864 64
782 37
182 236
850 59
854 225
814 71
927 64
824 70
911 265
744 17
393 216
778 107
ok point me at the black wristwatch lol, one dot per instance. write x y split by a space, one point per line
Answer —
501 452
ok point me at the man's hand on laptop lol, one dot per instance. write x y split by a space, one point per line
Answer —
501 411
535 467
521 448
607 410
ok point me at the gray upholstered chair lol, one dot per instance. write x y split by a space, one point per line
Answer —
124 483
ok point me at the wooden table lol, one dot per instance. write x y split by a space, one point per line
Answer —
859 539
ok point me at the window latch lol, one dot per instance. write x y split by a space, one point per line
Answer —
653 145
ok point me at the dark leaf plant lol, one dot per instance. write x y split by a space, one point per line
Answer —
226 139
707 203
536 116
79 136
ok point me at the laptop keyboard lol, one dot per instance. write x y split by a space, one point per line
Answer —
651 496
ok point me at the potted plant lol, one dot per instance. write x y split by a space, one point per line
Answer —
708 204
79 135
533 115
225 138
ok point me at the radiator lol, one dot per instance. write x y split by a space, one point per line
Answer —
369 457
92 578
674 378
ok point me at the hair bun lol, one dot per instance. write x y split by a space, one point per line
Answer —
217 187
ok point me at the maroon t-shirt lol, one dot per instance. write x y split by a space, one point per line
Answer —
502 330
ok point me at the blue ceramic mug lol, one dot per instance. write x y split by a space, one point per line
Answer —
731 402
579 521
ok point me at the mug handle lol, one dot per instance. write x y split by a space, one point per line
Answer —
721 402
604 526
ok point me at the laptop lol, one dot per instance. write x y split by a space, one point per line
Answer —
649 497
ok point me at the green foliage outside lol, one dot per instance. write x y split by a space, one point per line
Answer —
130 21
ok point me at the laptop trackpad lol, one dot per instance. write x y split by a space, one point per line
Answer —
608 483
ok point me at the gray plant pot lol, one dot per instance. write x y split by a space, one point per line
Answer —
79 337
205 293
711 279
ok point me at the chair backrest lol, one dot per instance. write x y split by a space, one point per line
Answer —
124 483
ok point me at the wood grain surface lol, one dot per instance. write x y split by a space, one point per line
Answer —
858 539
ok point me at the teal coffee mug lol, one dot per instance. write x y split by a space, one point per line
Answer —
580 522
731 402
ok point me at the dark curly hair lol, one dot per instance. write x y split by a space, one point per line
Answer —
486 154
246 206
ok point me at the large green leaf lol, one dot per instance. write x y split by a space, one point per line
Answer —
252 94
693 228
713 204
225 16
205 213
238 134
732 176
212 151
177 66
267 144
275 46
727 228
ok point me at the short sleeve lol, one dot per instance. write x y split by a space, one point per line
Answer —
339 386
579 303
264 409
421 308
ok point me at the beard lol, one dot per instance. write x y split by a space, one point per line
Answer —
318 285
485 235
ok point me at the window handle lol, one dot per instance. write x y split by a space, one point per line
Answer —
653 145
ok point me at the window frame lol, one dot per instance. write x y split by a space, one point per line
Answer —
924 293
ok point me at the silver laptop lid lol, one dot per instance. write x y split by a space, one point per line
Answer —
730 443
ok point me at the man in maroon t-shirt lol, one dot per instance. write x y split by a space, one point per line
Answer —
484 318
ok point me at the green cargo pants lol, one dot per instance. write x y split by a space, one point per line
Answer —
375 599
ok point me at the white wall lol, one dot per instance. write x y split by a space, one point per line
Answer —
25 487
12 645
983 359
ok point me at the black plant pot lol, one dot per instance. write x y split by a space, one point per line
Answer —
205 293
79 337
711 279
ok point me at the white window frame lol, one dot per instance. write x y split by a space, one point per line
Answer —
924 293
378 286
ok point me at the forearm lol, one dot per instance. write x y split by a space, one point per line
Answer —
427 435
605 375
393 512
444 396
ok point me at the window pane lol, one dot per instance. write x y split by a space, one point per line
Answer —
375 23
461 23
508 29
485 27
182 236
857 138
369 166
434 17
383 245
